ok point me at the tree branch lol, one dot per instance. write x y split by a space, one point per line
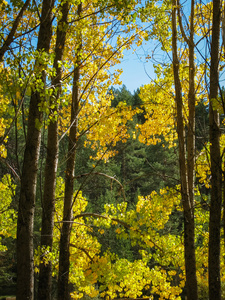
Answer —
124 224
82 249
107 176
181 24
9 38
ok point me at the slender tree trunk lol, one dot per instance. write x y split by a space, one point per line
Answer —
186 168
223 195
64 254
216 172
45 275
25 270
191 117
189 222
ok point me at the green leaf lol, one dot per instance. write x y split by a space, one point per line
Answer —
38 124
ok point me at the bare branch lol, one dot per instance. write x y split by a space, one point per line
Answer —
82 249
107 176
9 38
181 24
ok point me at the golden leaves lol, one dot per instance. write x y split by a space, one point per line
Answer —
159 106
7 214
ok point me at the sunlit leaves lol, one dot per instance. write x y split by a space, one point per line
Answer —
93 46
7 213
5 113
142 226
203 166
155 209
110 129
160 113
119 276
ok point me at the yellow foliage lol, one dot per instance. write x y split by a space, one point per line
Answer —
160 114
8 216
4 121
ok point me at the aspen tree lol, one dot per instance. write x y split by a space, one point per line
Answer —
215 160
48 209
186 167
25 268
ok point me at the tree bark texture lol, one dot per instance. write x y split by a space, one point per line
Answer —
64 254
25 269
48 205
216 172
186 166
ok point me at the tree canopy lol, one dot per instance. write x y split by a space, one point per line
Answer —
106 193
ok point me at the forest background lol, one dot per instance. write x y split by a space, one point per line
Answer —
105 193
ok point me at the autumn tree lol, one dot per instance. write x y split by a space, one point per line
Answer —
64 254
215 159
66 81
207 27
45 275
25 221
187 167
188 85
90 101
41 105
162 119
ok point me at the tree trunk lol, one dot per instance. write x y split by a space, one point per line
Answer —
186 168
189 222
64 254
216 172
64 263
45 275
25 270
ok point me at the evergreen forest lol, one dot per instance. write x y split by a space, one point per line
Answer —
107 193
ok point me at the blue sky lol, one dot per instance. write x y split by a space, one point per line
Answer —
136 72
